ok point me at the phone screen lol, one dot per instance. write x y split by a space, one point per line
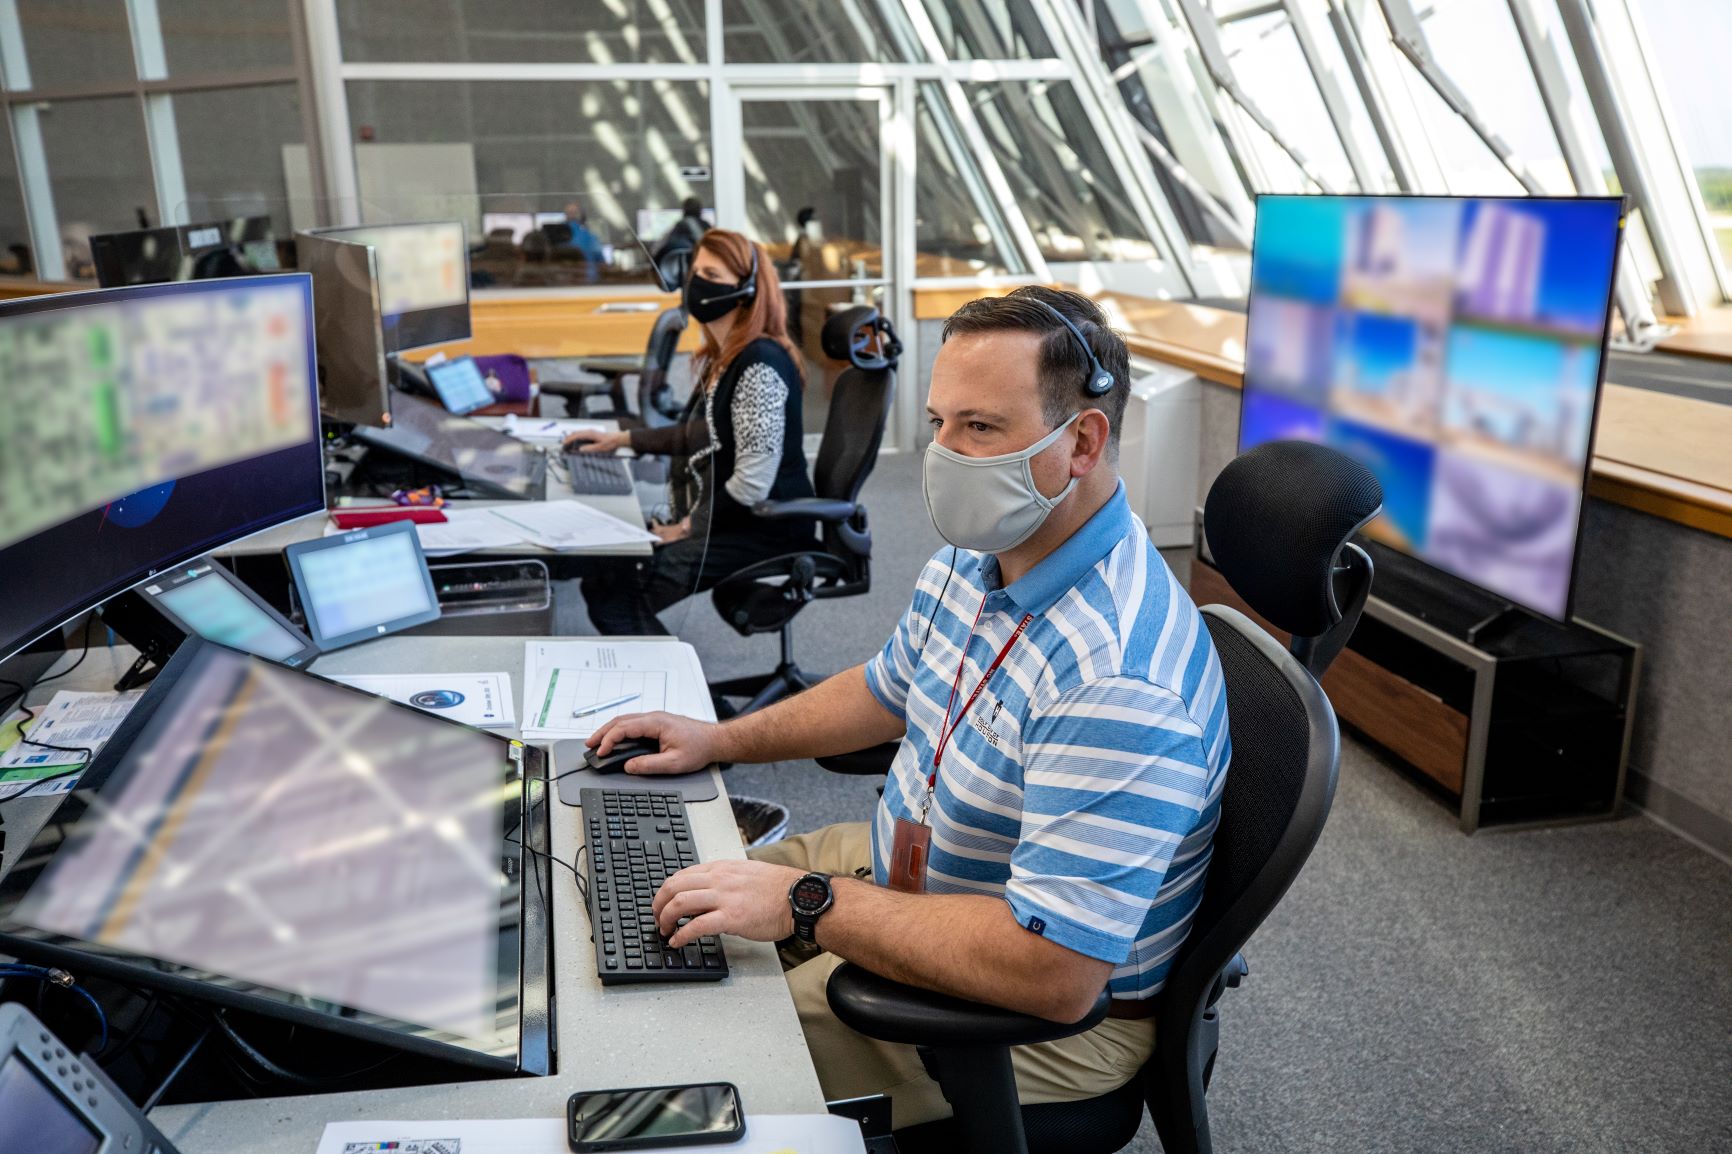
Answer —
659 1112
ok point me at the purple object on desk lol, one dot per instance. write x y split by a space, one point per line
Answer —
512 374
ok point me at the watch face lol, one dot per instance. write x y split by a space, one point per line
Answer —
810 894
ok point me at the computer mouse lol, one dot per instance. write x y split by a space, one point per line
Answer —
622 752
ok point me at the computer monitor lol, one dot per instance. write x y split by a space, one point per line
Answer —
423 272
358 586
492 463
1456 346
144 427
353 386
258 837
243 246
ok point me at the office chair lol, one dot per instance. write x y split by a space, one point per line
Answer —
1277 523
656 403
767 596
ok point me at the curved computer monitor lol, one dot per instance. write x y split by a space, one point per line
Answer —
1456 346
143 427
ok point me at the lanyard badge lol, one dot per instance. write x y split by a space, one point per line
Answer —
913 841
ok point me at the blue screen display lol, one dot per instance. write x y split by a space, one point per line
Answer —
460 386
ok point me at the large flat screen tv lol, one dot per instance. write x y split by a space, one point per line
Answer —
1456 346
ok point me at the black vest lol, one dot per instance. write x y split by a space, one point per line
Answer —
791 479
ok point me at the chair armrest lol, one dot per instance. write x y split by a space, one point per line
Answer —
893 1012
874 760
621 366
807 508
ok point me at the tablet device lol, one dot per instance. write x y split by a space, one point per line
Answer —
460 386
206 600
361 585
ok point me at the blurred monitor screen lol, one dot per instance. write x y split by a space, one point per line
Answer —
519 224
145 426
460 385
363 584
423 272
213 606
211 852
243 246
1456 347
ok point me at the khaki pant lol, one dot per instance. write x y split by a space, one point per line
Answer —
849 1064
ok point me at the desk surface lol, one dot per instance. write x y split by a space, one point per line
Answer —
742 1030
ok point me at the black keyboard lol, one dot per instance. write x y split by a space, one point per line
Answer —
596 474
636 838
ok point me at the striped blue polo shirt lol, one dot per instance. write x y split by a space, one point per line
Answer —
1084 785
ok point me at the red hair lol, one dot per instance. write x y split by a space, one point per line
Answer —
765 315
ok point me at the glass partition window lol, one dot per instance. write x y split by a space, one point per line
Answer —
951 234
524 31
989 29
74 43
16 257
800 32
96 189
226 36
1269 64
232 145
1059 172
553 179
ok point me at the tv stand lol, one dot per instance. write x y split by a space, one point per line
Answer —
1510 718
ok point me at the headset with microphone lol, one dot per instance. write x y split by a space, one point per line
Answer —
1100 382
748 287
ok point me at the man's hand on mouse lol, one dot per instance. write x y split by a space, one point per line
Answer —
687 745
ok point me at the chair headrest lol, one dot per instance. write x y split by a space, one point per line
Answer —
863 337
1276 520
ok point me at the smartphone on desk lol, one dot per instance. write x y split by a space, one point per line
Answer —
654 1116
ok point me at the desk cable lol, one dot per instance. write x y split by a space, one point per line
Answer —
19 691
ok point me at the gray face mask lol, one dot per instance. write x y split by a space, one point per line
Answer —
988 504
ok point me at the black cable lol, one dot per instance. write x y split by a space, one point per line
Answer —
162 1087
133 1035
29 712
254 1055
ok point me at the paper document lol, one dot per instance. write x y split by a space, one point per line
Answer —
561 678
480 699
72 718
765 1134
537 431
568 525
465 531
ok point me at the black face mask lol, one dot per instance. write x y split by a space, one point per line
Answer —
708 300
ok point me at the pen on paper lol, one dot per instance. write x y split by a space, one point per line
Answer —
550 425
589 709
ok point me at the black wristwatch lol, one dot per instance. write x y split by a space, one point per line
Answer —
810 898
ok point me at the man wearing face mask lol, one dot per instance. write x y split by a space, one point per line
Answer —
1045 826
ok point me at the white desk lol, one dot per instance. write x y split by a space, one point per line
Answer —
742 1030
625 506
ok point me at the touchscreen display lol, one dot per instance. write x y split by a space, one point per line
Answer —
33 1117
276 830
460 386
364 584
213 608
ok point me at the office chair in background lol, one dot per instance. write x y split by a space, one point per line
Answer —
1277 523
655 401
767 596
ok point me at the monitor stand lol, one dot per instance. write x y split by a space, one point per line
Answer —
137 623
1446 602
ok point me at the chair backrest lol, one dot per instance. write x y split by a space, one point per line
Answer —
1286 748
512 373
859 401
656 404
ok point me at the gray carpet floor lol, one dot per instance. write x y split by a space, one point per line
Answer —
1561 990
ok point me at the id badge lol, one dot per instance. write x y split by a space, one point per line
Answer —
908 854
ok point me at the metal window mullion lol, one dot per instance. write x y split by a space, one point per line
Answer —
1131 162
1627 158
1333 94
976 145
38 192
342 188
1388 77
169 175
902 137
14 61
1571 128
1376 105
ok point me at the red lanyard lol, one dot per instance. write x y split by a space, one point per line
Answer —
949 726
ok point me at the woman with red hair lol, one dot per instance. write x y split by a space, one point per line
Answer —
741 437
